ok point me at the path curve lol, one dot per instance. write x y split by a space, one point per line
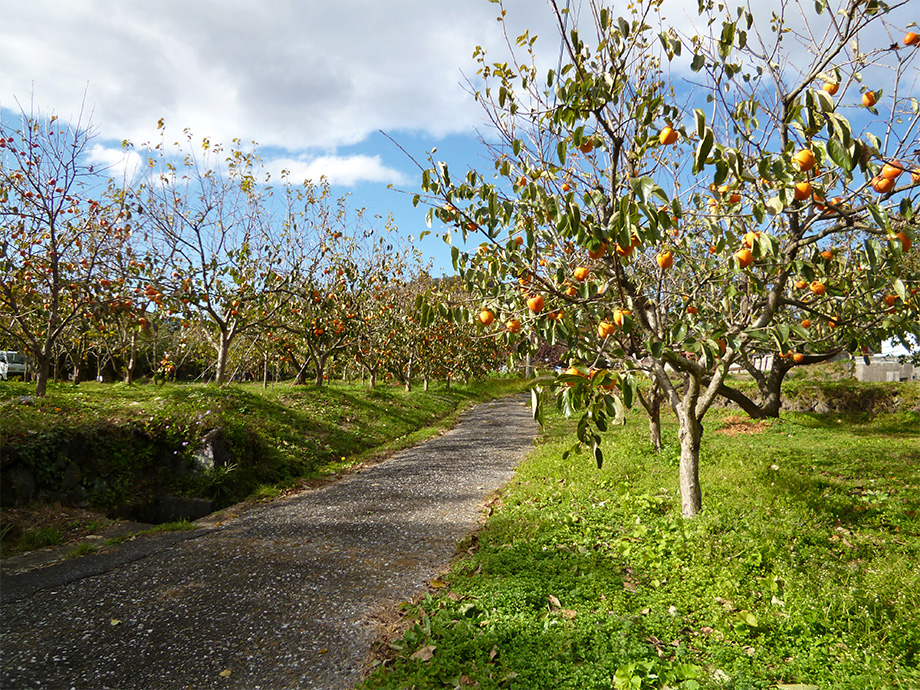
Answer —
285 595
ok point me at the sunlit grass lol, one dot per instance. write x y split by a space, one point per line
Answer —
802 567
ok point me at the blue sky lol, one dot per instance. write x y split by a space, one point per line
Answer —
312 81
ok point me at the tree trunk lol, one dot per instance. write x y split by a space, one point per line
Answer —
265 373
447 381
132 360
223 350
690 433
42 371
427 382
373 379
301 378
654 417
528 367
319 371
409 376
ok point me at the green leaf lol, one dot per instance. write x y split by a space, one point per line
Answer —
749 618
774 205
700 118
898 286
703 150
839 154
598 456
535 406
878 215
620 417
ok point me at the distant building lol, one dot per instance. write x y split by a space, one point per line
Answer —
885 367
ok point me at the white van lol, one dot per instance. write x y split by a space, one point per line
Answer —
12 364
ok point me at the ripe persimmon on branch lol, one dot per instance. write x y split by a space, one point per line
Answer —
685 202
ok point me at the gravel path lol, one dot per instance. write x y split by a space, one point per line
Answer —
285 595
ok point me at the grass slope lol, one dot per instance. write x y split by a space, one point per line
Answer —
802 570
281 439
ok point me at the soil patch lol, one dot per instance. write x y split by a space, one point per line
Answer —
735 425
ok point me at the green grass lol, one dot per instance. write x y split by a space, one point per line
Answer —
82 549
802 568
136 442
41 537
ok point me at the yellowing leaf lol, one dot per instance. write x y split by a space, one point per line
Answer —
225 673
438 584
115 621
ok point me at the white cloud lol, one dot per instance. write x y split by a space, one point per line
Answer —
346 171
116 163
285 73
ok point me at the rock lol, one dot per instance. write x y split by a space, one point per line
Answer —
73 477
822 407
17 486
213 451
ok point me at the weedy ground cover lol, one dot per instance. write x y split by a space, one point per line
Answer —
801 571
281 439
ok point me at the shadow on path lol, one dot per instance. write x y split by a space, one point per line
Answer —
284 596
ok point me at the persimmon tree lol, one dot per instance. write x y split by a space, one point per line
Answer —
671 227
58 230
216 253
321 299
381 267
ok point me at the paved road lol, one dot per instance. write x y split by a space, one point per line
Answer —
285 595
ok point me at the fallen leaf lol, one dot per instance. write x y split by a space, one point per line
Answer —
727 604
426 653
225 673
672 610
493 652
324 650
750 651
438 584
568 613
115 621
554 602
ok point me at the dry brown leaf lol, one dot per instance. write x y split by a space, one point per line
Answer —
426 653
554 602
225 673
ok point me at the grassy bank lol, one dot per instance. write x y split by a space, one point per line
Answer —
801 571
131 442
